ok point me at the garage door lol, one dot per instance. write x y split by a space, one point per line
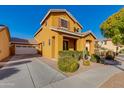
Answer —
25 50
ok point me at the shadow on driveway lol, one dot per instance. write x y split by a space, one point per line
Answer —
4 73
112 62
24 56
18 63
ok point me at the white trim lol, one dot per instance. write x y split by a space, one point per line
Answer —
60 10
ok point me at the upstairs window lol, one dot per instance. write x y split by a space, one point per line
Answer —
64 23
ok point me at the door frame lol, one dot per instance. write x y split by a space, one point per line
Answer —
67 42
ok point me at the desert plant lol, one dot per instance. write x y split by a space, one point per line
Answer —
86 63
85 54
95 58
68 64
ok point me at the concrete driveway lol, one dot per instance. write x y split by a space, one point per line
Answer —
24 71
27 71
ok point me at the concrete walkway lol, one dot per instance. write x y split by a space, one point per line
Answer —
25 71
90 79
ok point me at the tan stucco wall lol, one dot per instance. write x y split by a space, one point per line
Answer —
4 45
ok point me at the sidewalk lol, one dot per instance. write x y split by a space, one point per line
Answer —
90 79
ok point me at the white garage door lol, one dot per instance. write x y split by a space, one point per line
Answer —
25 50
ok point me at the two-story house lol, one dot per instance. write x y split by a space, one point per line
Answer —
61 31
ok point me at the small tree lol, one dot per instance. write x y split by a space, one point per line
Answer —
113 28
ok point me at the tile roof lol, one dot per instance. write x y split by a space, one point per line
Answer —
24 41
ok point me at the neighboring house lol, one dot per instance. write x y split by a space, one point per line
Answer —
61 31
4 42
107 44
23 46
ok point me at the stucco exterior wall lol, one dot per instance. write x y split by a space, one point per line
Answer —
4 44
45 37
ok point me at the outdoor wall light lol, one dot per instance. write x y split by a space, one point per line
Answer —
49 42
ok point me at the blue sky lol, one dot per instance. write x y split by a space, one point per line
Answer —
23 21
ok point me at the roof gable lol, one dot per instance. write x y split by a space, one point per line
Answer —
84 34
60 10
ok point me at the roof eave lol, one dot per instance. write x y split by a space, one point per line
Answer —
90 32
66 32
38 31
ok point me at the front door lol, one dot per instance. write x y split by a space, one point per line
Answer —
65 45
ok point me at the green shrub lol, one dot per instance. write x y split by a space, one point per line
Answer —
75 54
95 58
86 63
68 64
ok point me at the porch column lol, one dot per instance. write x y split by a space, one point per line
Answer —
60 42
